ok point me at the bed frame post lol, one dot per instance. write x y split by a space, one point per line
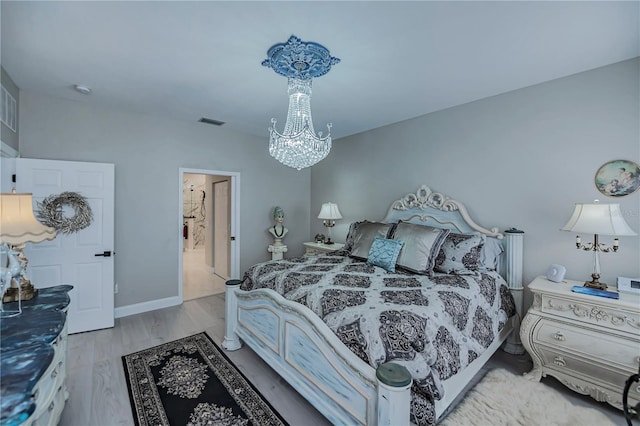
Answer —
515 259
231 340
394 395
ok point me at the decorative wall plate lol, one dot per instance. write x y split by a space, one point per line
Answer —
618 178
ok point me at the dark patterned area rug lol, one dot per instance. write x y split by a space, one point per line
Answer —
190 381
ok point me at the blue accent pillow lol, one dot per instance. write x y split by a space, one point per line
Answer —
384 253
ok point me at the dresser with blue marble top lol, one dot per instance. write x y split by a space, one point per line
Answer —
33 349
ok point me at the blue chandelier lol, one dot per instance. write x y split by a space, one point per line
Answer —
298 146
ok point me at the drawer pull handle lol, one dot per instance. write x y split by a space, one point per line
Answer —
559 361
559 336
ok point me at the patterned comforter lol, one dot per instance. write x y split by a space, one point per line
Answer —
433 326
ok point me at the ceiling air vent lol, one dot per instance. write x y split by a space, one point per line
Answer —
211 121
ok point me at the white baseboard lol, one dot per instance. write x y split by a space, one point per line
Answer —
152 305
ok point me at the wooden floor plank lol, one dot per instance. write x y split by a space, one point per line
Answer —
109 405
98 393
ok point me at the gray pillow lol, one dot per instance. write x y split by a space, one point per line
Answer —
460 254
421 246
363 235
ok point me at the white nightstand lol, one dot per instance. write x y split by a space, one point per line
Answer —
314 249
590 343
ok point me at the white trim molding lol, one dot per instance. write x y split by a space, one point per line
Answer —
234 218
151 305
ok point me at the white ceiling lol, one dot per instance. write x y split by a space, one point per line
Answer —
186 60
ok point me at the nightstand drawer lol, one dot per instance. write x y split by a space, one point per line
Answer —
610 377
591 313
609 349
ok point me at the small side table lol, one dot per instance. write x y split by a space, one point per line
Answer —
589 343
314 249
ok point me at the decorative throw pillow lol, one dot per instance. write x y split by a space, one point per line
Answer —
383 253
421 246
490 254
351 235
460 254
363 237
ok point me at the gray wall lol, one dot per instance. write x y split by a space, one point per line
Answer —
519 159
147 153
7 135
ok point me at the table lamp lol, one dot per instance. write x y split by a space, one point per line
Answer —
329 213
18 226
598 219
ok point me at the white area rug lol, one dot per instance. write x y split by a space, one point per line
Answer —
502 398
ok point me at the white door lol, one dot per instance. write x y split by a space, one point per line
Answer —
221 229
83 259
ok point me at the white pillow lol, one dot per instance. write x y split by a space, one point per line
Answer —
490 254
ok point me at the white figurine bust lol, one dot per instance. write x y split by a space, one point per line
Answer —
278 231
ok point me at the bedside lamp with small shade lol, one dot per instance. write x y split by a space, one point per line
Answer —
329 213
598 219
18 226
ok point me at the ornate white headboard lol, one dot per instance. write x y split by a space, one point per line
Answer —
426 207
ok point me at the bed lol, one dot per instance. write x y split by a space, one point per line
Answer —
371 339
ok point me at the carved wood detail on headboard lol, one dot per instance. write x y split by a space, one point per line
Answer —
424 198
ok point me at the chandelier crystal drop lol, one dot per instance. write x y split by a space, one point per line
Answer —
298 146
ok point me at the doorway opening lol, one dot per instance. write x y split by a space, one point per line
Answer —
208 248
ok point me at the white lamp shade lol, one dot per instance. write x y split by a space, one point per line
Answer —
18 225
602 219
329 211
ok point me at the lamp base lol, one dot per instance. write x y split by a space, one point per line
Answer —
328 242
27 292
595 283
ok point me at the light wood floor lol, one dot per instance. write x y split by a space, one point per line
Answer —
98 392
197 278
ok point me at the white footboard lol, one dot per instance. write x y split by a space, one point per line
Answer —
306 353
